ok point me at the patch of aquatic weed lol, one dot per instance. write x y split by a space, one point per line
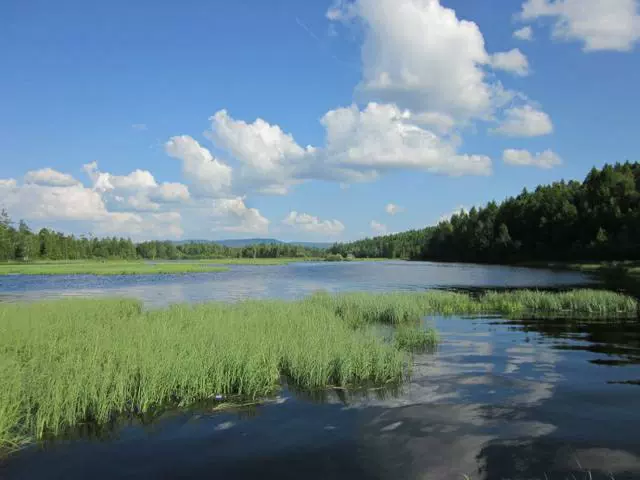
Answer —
415 339
398 308
576 302
71 361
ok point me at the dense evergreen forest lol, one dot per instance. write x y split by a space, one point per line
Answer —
598 219
19 243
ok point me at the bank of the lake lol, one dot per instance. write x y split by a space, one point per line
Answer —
75 361
107 268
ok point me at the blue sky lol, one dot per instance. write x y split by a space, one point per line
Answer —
314 120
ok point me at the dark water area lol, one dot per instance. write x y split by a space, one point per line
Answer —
284 281
498 399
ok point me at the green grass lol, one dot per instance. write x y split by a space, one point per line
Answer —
396 308
575 302
415 339
106 268
66 362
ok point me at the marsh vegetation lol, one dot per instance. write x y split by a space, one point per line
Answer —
111 267
71 361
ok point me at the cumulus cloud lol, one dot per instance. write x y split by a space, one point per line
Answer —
137 190
234 216
382 137
525 121
50 177
104 182
359 144
311 224
170 192
513 61
270 158
598 24
524 33
140 226
33 201
546 159
207 175
417 53
378 228
86 209
393 209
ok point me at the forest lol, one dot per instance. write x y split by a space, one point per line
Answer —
597 219
20 243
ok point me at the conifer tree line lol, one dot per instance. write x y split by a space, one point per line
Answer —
597 219
20 243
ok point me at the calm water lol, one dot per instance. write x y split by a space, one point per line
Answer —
499 399
285 281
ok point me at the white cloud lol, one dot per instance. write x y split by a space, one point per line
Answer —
141 127
136 191
378 228
208 175
513 61
441 122
139 202
50 177
86 209
524 33
599 24
393 209
525 121
358 145
142 226
417 53
104 182
270 159
311 224
41 202
170 192
383 137
260 145
546 159
235 216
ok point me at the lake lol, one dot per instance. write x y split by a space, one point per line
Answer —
284 281
498 399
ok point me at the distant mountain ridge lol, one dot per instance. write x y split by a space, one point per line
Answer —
245 242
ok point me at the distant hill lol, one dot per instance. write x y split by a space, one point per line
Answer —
244 242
